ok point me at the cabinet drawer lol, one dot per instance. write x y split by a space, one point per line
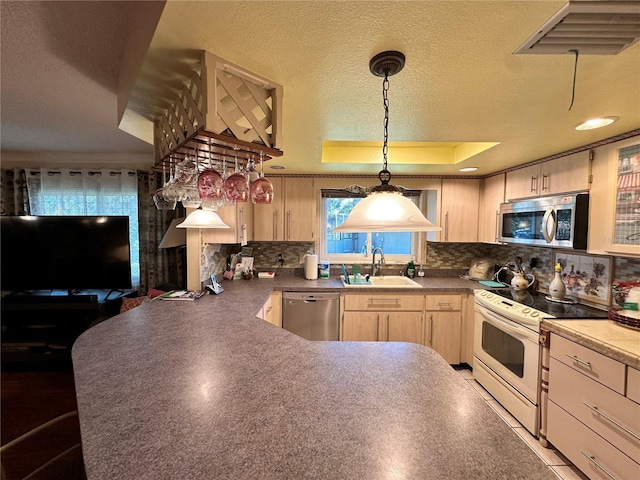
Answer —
633 384
586 449
443 302
609 414
602 369
384 302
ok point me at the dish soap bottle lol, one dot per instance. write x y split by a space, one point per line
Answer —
411 269
557 289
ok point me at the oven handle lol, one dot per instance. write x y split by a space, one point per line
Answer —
508 325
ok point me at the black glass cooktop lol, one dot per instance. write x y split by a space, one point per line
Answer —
538 301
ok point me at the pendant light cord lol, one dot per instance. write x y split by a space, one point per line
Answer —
575 72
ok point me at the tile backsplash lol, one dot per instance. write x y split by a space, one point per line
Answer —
439 256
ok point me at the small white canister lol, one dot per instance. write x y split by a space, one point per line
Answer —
311 266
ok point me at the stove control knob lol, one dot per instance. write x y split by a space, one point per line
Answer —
525 311
535 314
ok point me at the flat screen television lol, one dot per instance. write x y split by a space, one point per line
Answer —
65 253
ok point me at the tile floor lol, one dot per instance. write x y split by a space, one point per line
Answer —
558 464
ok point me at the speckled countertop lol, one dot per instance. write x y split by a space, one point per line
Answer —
204 390
604 336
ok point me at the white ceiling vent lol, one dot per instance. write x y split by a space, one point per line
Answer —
589 26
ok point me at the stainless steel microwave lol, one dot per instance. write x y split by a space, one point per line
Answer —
560 221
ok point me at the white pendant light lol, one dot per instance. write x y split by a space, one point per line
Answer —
203 219
385 209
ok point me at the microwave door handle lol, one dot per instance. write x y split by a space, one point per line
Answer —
550 214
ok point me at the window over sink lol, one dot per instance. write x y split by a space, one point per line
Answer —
356 247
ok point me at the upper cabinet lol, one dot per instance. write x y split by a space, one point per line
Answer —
459 210
614 212
491 196
571 173
239 217
291 216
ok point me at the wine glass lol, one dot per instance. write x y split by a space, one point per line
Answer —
261 189
210 184
237 186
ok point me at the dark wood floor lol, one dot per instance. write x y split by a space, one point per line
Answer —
32 397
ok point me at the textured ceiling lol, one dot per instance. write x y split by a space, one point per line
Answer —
461 81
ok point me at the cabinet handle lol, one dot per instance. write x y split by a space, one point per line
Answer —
275 225
597 411
387 339
377 327
440 304
431 330
446 227
385 300
288 224
580 361
269 309
545 177
593 460
534 182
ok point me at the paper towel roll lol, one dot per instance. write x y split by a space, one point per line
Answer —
311 266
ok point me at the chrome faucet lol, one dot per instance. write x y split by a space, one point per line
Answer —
375 267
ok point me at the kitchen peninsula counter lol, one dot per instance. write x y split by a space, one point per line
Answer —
203 389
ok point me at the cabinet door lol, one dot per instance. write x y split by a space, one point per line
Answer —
405 327
300 209
239 217
360 326
444 334
491 196
566 174
523 183
268 222
459 213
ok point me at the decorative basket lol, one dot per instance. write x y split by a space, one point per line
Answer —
619 318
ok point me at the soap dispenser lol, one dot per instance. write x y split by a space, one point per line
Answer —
557 289
411 269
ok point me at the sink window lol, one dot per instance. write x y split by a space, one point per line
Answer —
355 247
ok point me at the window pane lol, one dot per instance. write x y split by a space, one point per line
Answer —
336 210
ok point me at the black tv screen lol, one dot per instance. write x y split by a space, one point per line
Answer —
65 252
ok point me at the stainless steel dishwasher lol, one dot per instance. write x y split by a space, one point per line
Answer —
314 316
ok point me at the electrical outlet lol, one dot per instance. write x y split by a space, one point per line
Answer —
280 259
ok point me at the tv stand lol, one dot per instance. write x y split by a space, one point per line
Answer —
40 327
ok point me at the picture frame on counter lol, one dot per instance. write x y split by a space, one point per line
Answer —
586 277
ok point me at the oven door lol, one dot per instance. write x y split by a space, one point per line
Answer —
509 349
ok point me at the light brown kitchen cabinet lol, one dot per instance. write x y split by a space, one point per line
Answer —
383 318
491 196
571 173
590 419
459 210
291 216
268 223
443 330
239 217
271 310
360 326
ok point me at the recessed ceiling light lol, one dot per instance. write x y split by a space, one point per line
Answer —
596 123
276 167
469 169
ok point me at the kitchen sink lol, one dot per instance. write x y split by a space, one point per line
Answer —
382 281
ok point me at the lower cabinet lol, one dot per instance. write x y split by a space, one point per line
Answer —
271 310
444 325
383 318
592 417
434 320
